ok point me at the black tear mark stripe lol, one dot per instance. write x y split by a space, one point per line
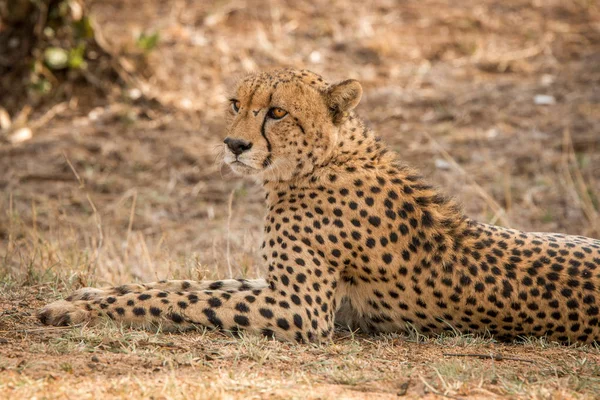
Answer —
301 128
263 133
262 128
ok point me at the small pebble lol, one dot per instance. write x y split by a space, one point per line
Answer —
442 164
20 135
544 100
315 57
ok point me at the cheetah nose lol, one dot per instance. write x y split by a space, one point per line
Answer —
237 146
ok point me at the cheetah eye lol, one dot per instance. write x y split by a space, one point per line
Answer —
277 113
235 105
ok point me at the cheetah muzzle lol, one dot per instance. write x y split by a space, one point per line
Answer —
355 238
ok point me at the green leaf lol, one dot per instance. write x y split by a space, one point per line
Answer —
77 57
147 42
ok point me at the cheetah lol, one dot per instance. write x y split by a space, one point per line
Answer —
355 238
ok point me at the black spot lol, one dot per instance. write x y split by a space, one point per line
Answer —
153 310
405 255
139 311
211 315
268 333
426 219
572 304
297 321
374 220
241 320
283 324
216 285
403 229
178 319
214 302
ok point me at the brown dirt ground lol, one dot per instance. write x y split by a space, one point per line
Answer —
451 87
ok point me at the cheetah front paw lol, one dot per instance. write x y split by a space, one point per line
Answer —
63 313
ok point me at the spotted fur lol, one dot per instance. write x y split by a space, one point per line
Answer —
354 237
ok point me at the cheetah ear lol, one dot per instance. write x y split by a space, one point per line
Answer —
341 98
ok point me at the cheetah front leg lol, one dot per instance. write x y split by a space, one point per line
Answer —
296 304
90 293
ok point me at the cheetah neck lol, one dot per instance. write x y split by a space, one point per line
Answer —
358 146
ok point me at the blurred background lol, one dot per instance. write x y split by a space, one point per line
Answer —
111 111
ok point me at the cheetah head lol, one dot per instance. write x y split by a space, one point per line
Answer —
284 123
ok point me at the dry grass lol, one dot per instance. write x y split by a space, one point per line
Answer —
111 361
113 189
